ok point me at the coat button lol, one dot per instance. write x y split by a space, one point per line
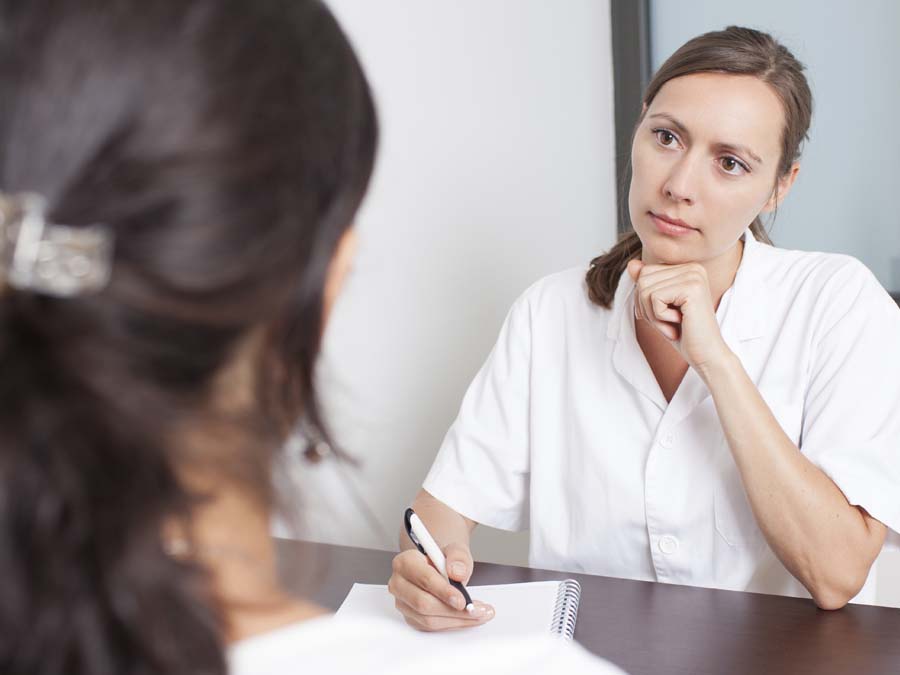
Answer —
667 440
668 544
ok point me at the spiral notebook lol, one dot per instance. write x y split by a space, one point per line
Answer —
521 609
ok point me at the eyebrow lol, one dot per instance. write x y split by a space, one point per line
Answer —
733 147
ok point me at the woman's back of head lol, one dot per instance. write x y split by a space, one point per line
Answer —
225 146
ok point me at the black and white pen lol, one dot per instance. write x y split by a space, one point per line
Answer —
419 535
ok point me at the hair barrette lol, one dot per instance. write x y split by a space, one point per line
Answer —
47 258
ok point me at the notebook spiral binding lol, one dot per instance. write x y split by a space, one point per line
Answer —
565 613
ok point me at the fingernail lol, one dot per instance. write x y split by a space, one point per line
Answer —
485 612
457 568
456 602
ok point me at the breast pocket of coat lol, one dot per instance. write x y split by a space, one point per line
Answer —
735 523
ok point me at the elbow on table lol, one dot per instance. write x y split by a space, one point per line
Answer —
831 600
835 584
835 595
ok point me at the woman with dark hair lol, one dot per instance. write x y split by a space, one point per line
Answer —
177 187
698 406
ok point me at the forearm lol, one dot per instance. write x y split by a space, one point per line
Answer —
826 543
445 525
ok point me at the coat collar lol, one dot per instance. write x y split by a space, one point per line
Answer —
746 314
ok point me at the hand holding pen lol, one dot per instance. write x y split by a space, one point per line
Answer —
427 583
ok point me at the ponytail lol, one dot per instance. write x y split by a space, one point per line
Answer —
603 275
605 271
86 584
225 181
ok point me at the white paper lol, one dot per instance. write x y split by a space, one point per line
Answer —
521 609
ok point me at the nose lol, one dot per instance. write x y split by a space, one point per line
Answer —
681 183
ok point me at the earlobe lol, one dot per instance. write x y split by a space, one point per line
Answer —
782 188
337 270
774 200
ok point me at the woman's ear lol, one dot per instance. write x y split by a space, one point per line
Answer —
783 187
337 271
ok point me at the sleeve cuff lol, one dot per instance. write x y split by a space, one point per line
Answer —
474 505
876 494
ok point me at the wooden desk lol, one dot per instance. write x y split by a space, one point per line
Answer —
658 628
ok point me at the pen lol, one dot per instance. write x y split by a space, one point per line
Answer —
419 535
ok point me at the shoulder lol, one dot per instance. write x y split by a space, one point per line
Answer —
831 282
380 646
819 292
568 283
810 268
561 293
557 305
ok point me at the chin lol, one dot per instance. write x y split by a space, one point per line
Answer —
669 251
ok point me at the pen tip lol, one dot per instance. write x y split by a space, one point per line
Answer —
470 608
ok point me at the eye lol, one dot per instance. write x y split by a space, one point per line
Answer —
733 166
665 138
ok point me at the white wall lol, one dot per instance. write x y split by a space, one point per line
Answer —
845 199
495 168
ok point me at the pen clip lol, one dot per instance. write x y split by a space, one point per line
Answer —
407 516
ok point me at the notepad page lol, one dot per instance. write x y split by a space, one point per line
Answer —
521 609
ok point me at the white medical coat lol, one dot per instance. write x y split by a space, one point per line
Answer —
565 431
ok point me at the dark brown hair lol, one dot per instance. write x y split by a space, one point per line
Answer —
227 144
735 50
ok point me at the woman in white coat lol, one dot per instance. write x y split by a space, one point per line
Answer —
697 407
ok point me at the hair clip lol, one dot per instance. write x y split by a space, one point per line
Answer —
47 258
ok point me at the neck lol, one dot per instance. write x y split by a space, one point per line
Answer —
229 536
722 270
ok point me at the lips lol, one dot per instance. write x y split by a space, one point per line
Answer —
672 221
671 227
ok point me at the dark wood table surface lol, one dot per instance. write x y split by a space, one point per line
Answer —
657 628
